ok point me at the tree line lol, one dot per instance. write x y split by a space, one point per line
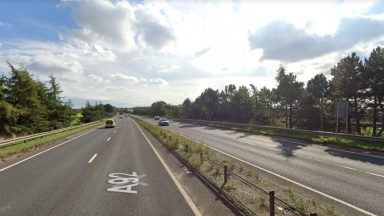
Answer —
30 106
292 104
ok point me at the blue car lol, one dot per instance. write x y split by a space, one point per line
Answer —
163 122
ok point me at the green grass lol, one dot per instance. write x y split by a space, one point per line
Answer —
76 119
23 146
228 187
368 131
376 146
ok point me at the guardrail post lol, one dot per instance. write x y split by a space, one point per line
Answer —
201 157
272 203
225 174
186 148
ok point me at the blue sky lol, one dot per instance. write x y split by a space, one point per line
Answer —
134 53
34 19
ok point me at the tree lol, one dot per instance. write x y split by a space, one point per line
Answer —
109 109
346 84
289 91
208 104
22 93
159 108
225 98
373 79
187 108
318 87
241 105
8 118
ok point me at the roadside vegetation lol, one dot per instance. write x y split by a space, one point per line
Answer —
25 146
292 104
245 185
29 106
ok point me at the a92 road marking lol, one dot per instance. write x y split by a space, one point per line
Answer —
124 182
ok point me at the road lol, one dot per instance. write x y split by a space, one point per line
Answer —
104 172
352 178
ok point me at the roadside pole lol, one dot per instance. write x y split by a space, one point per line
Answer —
337 117
346 119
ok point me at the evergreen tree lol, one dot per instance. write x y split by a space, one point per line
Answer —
374 84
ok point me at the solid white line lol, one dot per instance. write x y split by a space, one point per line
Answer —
177 183
90 160
109 138
375 174
5 168
309 158
335 149
289 180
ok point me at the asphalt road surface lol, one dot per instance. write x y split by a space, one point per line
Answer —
104 172
353 178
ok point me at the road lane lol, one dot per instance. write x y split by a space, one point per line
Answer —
354 178
62 182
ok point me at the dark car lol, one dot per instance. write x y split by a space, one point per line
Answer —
163 122
157 118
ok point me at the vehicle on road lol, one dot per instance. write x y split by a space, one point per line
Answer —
110 123
157 118
163 122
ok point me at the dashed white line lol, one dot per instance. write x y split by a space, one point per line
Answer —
45 151
109 138
114 131
92 158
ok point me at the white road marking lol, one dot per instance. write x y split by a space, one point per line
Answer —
124 182
109 138
114 131
93 157
5 168
309 158
174 179
289 180
375 174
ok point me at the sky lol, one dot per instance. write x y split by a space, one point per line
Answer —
133 53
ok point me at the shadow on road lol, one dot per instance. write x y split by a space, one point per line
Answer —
362 158
287 149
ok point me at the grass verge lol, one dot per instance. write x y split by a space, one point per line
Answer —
366 145
36 142
245 184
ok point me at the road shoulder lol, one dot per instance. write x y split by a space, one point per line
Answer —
207 201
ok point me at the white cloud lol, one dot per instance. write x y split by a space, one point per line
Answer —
4 24
141 52
157 81
124 77
282 41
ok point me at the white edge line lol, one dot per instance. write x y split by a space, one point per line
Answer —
335 149
309 158
109 138
287 179
177 183
375 174
93 157
19 162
